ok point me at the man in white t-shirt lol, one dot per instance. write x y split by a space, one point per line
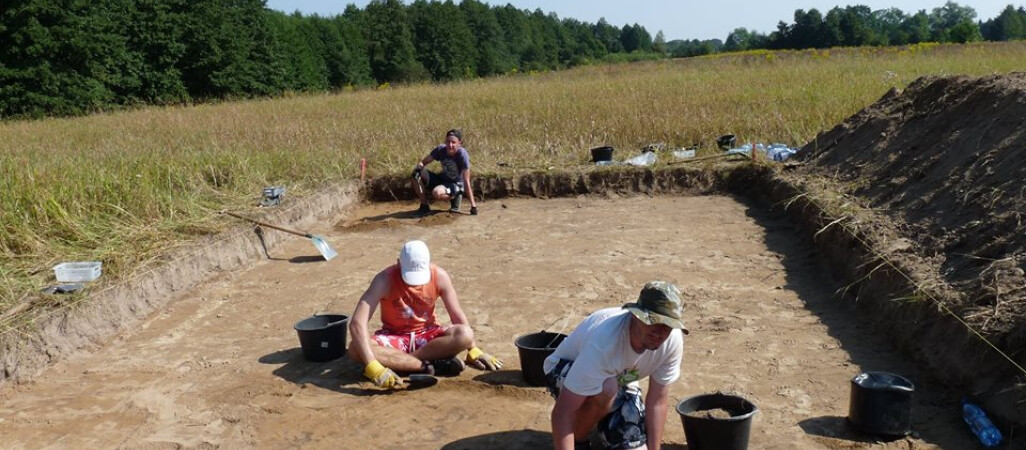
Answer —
594 372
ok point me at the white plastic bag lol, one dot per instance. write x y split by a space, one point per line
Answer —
644 159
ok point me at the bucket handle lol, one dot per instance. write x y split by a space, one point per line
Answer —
566 321
331 324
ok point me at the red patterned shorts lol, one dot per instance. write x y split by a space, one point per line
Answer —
408 342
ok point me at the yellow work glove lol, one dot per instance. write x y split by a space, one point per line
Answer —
382 376
482 360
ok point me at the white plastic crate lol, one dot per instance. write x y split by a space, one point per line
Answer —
72 272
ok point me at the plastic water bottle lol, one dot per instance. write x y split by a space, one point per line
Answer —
982 427
682 153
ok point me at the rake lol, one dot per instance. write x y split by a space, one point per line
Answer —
322 246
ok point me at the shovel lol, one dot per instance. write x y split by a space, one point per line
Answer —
421 380
322 246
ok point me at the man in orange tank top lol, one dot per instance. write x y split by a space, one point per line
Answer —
411 340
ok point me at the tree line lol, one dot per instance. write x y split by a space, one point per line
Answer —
859 25
69 57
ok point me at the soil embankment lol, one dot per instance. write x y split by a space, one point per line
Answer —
940 169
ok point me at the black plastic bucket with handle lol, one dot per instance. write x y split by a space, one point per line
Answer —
716 421
600 154
881 403
323 337
533 349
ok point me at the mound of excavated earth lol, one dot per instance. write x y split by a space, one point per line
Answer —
943 161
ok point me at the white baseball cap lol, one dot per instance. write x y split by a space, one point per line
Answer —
415 263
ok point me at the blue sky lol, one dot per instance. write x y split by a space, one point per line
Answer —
678 19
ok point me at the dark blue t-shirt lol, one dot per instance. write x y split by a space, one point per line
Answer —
452 166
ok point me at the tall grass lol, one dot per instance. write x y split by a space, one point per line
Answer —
121 187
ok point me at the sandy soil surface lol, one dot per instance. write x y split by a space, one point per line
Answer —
222 367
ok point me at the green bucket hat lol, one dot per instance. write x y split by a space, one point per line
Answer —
659 302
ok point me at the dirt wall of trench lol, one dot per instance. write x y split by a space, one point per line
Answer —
679 180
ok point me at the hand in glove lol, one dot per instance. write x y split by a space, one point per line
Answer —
482 360
473 210
382 376
416 171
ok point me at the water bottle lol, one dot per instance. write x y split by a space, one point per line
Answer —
982 427
684 153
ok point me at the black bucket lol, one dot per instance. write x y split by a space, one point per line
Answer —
533 349
706 431
600 154
323 337
726 142
881 403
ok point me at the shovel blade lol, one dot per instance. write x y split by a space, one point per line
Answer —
420 380
322 246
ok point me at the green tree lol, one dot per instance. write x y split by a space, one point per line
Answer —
64 59
644 38
1009 25
492 52
953 23
229 50
694 47
342 63
609 36
887 25
299 52
355 70
917 27
739 40
542 51
964 31
782 37
390 50
444 43
516 32
570 49
155 30
807 31
851 26
588 47
659 43
857 24
630 39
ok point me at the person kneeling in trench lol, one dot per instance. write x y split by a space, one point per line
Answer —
449 184
411 340
593 374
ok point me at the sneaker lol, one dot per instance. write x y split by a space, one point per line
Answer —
454 202
446 367
424 209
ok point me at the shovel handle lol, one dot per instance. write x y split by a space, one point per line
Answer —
700 158
263 224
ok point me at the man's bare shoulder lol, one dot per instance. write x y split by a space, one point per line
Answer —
383 278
